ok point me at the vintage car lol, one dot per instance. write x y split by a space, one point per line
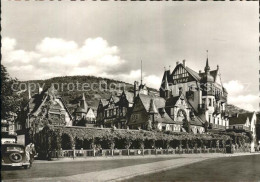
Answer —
14 155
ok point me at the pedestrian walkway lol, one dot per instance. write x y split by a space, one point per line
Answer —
123 173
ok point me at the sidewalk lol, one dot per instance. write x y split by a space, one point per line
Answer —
141 157
123 173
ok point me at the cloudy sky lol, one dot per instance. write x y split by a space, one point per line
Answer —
44 39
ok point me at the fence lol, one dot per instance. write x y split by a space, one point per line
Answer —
129 152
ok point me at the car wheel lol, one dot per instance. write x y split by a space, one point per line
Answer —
27 167
15 157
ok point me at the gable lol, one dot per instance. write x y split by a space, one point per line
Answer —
183 75
181 103
90 113
138 105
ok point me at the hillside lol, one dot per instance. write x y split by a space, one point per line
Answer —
102 88
234 109
70 88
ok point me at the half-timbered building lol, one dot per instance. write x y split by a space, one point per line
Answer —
203 91
44 108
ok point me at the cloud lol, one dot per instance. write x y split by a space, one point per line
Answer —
153 81
55 56
58 57
234 87
55 46
236 95
8 44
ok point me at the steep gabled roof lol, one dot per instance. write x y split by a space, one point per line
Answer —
65 106
83 106
152 108
240 118
165 118
172 101
104 102
167 78
159 102
193 73
196 121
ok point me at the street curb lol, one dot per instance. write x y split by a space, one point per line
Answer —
67 160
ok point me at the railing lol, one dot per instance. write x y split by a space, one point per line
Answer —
130 152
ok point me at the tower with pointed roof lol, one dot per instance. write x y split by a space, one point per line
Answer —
208 97
82 109
204 92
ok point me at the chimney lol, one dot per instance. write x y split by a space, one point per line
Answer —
177 63
217 67
183 62
199 71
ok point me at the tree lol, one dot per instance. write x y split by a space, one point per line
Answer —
10 101
206 126
186 126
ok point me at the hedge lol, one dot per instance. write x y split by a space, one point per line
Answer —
54 137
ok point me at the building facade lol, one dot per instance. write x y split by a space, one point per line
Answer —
203 91
114 112
83 114
44 108
246 122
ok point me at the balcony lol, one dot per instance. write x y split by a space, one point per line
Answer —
217 110
221 98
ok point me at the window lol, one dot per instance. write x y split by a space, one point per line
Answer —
210 102
124 111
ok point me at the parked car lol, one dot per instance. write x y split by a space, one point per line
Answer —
14 155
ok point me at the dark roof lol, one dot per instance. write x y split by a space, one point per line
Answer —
167 78
38 100
193 73
159 102
165 118
213 73
172 101
80 110
240 118
196 121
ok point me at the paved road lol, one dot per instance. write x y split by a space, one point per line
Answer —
243 168
61 169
